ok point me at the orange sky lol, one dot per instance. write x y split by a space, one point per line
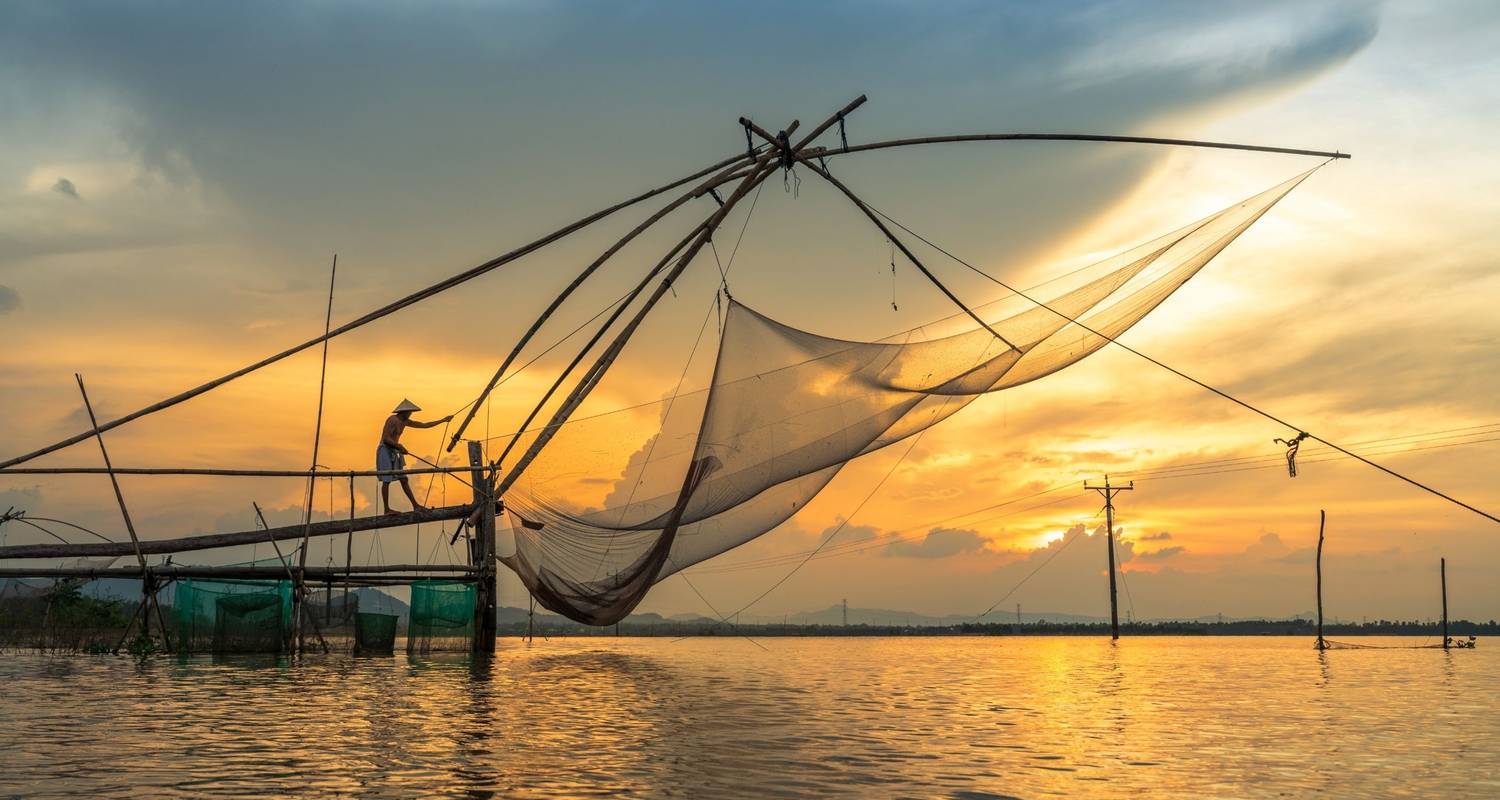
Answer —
195 228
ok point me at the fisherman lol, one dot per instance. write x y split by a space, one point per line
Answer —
391 454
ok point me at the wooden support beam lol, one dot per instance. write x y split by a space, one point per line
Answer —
215 540
384 571
482 554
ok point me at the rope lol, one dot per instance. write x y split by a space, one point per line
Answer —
1243 404
1029 575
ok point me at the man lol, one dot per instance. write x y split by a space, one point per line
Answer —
391 454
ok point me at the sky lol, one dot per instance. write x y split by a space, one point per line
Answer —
177 178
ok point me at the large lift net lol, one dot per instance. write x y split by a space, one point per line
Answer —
701 473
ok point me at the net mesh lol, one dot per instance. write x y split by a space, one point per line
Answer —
374 633
231 616
441 617
786 409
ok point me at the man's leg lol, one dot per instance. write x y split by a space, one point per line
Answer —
385 497
406 487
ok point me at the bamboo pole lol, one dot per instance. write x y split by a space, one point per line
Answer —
482 555
1322 518
233 473
299 583
906 251
287 568
1070 137
148 585
215 540
696 192
383 311
238 572
1443 579
596 373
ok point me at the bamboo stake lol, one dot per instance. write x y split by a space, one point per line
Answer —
696 192
1443 578
383 311
148 595
1322 517
286 567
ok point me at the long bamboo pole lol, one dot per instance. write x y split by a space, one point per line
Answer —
605 360
906 251
148 594
233 473
299 583
216 540
244 573
383 311
696 192
1067 137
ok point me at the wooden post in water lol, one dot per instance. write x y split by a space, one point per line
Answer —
1109 493
482 554
1322 516
1443 578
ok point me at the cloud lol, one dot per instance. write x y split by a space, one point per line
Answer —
1163 554
1155 537
65 186
10 300
938 543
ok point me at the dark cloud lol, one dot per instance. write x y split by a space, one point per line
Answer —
1162 554
65 186
1161 536
10 300
938 543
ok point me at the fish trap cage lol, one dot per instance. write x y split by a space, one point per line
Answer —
231 616
374 634
442 616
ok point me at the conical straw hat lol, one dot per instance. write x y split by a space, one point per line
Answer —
406 405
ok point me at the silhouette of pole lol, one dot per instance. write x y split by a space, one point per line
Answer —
1322 515
1443 577
1109 493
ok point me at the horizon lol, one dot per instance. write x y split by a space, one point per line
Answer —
163 227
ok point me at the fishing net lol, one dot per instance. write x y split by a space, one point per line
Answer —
442 617
231 616
374 633
619 501
67 613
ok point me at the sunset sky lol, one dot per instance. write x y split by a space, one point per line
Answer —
176 178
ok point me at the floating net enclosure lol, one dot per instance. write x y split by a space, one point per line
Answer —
334 612
231 616
375 634
442 616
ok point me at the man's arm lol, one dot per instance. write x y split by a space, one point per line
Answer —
433 424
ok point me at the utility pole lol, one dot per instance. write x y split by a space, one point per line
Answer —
1109 492
1018 613
846 612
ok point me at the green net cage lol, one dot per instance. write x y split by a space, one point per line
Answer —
442 616
374 633
231 616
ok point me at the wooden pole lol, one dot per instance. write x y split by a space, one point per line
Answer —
148 586
215 540
1443 579
299 585
1069 137
696 192
235 473
287 568
1322 517
1109 491
349 544
906 251
378 313
482 553
764 168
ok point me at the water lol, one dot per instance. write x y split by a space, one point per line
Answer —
717 717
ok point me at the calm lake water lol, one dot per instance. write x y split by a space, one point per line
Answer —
716 717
